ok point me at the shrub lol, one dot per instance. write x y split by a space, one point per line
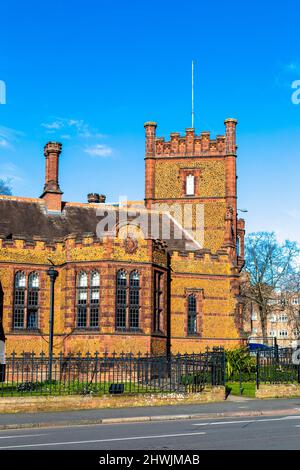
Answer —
237 361
191 379
27 386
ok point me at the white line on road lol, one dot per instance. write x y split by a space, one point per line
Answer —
105 440
23 435
248 421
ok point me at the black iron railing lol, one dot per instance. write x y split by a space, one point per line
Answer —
30 374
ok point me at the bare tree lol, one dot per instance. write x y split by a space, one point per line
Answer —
5 187
271 268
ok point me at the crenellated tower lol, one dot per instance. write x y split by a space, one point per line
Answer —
196 174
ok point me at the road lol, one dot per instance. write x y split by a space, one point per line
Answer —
247 433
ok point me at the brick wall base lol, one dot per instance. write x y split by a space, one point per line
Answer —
34 404
278 391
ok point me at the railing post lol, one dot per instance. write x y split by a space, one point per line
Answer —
257 369
213 368
276 351
223 368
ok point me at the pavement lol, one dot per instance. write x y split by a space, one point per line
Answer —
235 407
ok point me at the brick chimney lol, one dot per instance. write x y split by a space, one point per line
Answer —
52 193
150 128
95 198
230 168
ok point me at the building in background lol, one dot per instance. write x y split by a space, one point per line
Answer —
158 276
283 321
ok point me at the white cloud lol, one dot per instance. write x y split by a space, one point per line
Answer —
4 143
99 150
78 127
53 125
8 136
65 136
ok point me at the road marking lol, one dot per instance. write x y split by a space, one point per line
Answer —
23 435
105 440
247 421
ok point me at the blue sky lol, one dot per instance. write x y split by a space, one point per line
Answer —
91 73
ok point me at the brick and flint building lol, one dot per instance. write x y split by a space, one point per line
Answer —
158 276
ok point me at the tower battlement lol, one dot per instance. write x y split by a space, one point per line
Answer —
190 144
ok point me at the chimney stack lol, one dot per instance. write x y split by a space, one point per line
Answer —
230 169
52 192
150 128
95 198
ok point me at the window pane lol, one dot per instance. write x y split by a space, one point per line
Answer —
94 317
121 278
20 280
34 280
121 318
190 190
95 279
81 317
192 325
134 279
95 295
19 318
121 297
134 297
83 280
134 318
19 297
192 315
33 298
82 296
31 319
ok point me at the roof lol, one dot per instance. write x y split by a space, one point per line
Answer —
29 218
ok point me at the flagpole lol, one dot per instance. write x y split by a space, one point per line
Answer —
193 114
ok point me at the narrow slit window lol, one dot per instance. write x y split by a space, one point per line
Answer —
190 185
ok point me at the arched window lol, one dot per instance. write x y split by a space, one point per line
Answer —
192 315
158 302
26 301
134 300
19 300
88 297
190 185
94 299
121 294
82 300
33 301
